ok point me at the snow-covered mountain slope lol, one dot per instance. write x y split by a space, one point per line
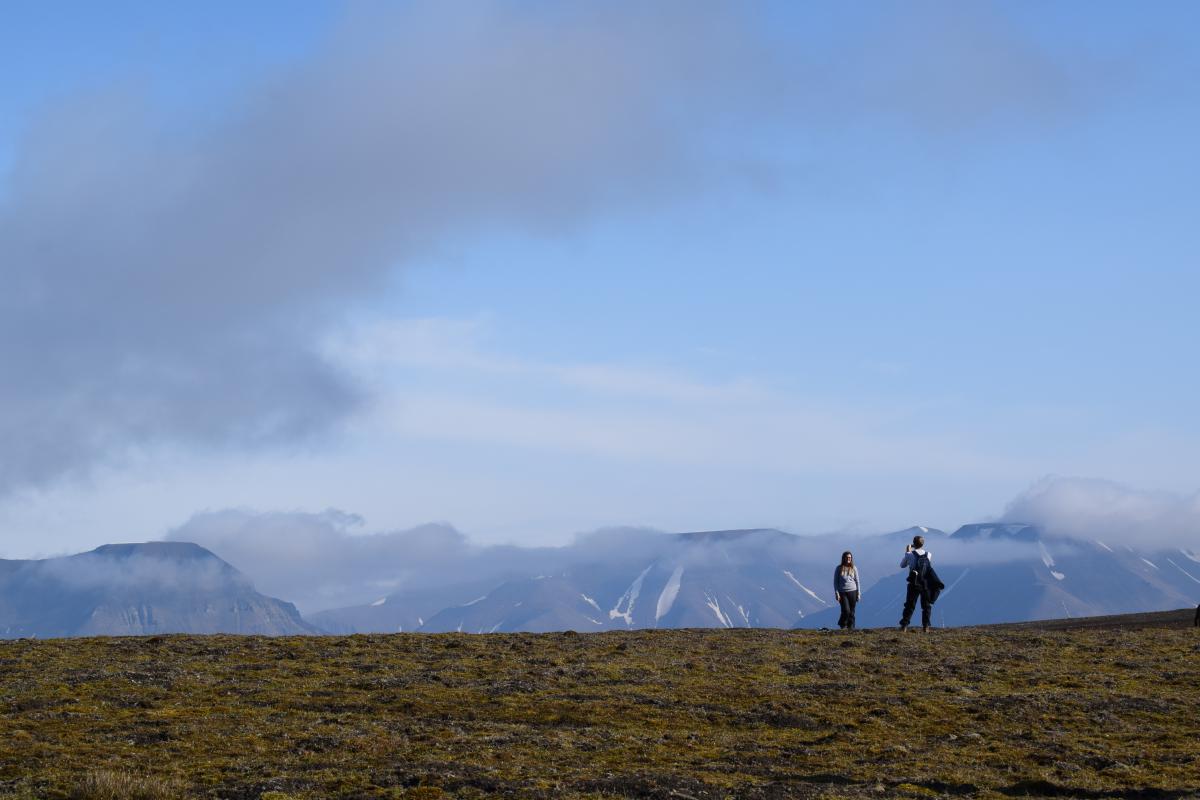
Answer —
741 578
134 589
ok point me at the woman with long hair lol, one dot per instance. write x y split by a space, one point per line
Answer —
846 589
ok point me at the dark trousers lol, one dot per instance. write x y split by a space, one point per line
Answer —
1196 621
910 603
848 601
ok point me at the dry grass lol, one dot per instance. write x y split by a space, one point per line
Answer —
117 785
656 714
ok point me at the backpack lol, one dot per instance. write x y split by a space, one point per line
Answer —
919 571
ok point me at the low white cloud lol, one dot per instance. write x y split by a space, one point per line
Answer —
438 379
949 552
140 572
325 560
1090 508
372 350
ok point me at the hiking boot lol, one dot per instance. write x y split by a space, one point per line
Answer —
925 629
903 627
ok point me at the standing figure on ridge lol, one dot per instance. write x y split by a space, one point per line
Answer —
923 582
846 589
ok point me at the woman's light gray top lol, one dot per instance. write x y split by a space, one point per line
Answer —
845 583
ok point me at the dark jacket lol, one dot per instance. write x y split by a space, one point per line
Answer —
929 584
933 585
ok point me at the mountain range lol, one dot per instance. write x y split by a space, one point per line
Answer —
994 572
767 578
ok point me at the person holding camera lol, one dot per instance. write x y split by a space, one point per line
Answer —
846 589
922 582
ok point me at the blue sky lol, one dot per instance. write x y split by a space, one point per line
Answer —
535 270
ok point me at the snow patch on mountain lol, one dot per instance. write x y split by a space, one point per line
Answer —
669 593
957 581
742 611
629 599
591 602
380 601
473 602
1188 554
810 592
1184 571
1106 547
1048 560
713 603
1151 563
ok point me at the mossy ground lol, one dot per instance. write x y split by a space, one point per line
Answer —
668 714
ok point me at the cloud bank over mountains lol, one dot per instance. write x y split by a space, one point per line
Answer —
1089 508
325 560
322 560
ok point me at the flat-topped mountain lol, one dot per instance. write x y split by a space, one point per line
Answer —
134 589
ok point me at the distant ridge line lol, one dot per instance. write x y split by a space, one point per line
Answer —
1179 618
728 535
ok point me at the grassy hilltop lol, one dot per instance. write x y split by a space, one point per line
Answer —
990 712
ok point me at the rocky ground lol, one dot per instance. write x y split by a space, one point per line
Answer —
1104 712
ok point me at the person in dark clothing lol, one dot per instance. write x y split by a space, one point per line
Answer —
913 556
1196 621
846 589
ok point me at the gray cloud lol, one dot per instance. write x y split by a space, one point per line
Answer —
168 285
167 280
1088 508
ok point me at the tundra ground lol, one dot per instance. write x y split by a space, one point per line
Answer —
987 712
